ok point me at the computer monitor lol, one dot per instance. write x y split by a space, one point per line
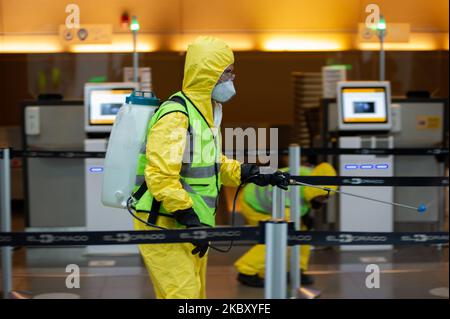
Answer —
102 102
364 106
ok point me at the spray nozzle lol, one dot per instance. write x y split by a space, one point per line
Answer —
422 208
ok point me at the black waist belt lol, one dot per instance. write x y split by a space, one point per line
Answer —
154 212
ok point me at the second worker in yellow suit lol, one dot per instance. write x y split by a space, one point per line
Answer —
256 206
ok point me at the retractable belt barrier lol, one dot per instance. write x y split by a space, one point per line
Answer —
257 234
218 234
55 154
291 234
351 151
373 181
305 151
313 180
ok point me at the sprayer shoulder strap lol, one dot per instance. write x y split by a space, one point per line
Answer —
179 100
175 104
143 188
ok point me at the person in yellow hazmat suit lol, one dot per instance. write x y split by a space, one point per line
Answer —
256 206
181 169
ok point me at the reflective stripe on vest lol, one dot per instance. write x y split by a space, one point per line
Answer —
209 200
198 172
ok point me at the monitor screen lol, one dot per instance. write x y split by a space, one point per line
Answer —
364 105
104 103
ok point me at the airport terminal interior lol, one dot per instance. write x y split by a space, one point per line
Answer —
351 91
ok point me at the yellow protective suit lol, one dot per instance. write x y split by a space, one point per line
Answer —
174 271
253 261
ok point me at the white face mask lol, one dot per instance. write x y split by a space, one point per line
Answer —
223 92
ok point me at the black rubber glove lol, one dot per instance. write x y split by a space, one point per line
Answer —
201 248
250 173
189 218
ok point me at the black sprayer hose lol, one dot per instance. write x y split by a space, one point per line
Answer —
233 215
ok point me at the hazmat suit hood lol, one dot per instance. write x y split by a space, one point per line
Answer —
206 59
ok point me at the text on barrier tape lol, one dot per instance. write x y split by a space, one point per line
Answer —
373 181
305 151
218 234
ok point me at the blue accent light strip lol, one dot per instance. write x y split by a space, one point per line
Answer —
367 166
96 169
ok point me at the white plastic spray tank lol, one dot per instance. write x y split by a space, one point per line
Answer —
127 137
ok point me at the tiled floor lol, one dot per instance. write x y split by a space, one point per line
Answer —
409 272
406 272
